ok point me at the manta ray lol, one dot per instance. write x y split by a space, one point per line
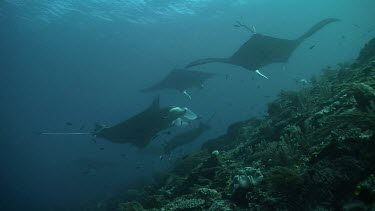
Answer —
140 129
188 136
181 80
185 137
261 50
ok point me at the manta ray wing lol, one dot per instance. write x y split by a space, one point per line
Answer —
139 129
261 50
181 80
184 138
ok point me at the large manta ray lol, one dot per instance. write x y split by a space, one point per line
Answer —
140 129
185 137
261 50
188 136
181 80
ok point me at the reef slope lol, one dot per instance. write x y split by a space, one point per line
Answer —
315 150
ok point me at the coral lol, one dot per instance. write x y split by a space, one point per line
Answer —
208 194
365 191
285 180
130 206
186 165
154 201
247 177
221 205
367 53
215 152
364 95
185 203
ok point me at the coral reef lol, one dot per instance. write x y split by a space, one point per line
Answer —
315 150
246 178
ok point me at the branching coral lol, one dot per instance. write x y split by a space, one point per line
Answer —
185 203
246 178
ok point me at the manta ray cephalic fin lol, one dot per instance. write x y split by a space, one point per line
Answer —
185 92
258 72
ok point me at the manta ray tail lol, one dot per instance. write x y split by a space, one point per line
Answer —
205 61
62 134
316 28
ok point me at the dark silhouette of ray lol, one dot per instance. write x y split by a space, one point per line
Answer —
185 137
140 129
188 136
261 50
181 80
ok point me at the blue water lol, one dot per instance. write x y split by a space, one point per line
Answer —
85 61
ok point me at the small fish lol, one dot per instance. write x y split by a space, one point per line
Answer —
236 25
123 155
311 47
185 156
68 123
167 132
161 157
101 148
